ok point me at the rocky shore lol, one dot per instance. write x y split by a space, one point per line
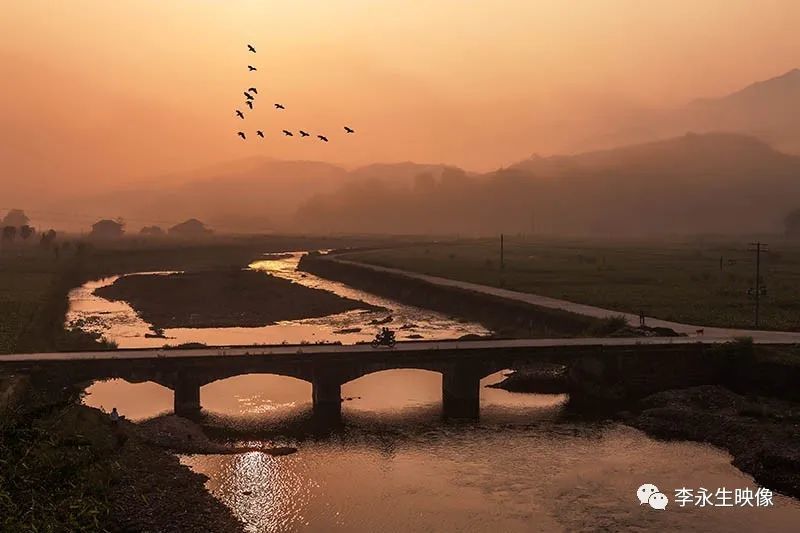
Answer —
762 434
230 298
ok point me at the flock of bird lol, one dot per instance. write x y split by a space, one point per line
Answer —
250 98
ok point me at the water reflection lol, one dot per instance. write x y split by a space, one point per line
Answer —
118 322
394 464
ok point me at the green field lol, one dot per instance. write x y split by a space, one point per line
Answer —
674 281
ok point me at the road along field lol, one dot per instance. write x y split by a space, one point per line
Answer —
692 283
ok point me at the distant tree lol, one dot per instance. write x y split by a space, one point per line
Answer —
48 238
16 218
26 232
107 229
9 233
792 223
152 231
190 228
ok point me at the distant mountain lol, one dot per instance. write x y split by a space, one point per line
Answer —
768 110
256 194
709 183
400 174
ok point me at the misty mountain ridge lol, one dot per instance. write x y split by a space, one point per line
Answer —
695 183
769 110
252 194
264 194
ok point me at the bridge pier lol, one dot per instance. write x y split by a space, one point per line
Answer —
187 397
461 393
327 396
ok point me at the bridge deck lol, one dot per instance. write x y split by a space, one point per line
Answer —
400 348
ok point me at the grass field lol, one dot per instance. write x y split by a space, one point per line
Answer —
674 281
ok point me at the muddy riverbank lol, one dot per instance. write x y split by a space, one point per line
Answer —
230 298
67 467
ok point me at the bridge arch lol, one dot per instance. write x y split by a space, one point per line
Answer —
365 373
254 392
234 373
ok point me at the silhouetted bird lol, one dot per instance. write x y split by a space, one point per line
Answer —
252 90
250 47
322 138
251 68
349 130
288 133
303 134
260 133
241 134
248 95
239 114
249 104
279 106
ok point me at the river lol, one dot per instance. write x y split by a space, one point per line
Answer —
528 464
118 322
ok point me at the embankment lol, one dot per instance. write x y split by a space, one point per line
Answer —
505 317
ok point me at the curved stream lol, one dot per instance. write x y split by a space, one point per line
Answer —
118 322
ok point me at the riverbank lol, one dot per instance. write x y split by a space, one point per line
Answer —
223 298
66 467
762 434
507 318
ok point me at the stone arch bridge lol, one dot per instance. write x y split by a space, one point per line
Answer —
612 368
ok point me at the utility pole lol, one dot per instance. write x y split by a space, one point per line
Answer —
502 254
758 247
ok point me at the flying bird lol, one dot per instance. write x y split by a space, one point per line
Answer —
252 90
241 134
250 47
248 95
279 106
288 133
349 130
251 68
322 138
249 104
260 133
303 134
240 114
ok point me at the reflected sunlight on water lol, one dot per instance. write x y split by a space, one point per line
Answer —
118 322
396 465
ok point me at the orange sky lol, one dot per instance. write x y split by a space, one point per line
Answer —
105 92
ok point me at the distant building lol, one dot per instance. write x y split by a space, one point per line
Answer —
190 228
107 229
151 231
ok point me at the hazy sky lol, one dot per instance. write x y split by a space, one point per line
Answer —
103 91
